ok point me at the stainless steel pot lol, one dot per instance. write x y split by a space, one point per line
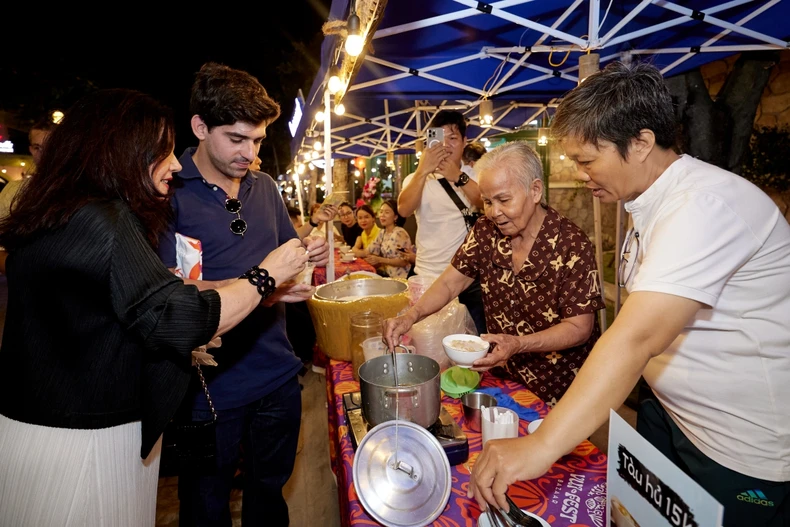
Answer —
417 396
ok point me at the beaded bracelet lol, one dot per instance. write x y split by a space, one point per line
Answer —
261 280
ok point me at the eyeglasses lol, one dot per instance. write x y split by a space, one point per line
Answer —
346 214
237 226
626 262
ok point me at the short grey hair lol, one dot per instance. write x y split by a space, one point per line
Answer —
616 104
518 159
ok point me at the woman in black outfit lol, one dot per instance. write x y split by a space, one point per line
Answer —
97 345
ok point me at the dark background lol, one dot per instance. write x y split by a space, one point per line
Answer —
51 59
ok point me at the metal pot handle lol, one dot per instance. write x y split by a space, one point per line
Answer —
396 392
406 350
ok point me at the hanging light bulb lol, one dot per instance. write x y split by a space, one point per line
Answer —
340 109
543 136
334 84
319 116
310 165
391 159
57 116
354 40
486 113
315 155
589 63
318 146
296 177
300 168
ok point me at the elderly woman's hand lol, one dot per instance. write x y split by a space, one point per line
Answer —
394 328
503 347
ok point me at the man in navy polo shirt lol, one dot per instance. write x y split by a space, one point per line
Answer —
239 217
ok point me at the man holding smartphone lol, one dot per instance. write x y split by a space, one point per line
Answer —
441 227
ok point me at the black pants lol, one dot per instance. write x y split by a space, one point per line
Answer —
747 501
300 330
472 298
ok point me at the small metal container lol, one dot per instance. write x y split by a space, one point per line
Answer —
472 402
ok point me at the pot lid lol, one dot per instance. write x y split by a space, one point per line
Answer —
415 492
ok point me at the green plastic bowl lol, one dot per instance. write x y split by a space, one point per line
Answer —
457 381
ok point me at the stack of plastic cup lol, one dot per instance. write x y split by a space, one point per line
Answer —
417 286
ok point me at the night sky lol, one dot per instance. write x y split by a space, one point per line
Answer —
278 42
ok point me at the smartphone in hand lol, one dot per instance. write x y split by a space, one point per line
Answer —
434 136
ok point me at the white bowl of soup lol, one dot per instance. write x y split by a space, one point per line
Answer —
464 349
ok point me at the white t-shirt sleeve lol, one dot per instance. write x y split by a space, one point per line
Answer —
694 249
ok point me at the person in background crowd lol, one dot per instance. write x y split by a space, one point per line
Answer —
351 230
314 226
705 321
296 217
98 363
366 219
37 136
320 214
441 227
240 217
385 252
473 152
538 276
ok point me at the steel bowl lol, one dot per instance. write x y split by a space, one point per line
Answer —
349 290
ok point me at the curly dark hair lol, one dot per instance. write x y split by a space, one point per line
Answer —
104 148
223 96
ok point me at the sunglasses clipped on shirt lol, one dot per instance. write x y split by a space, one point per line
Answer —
628 260
237 226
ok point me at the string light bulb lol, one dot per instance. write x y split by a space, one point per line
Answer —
340 109
486 113
543 136
334 84
319 116
354 40
318 146
589 63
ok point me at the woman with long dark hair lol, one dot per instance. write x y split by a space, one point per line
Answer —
98 334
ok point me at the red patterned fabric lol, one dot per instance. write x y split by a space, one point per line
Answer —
558 280
571 494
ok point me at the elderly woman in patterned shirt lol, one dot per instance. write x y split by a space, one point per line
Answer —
538 275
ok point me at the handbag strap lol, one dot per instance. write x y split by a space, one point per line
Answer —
205 390
453 195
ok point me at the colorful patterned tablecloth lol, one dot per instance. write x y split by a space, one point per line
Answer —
571 494
341 268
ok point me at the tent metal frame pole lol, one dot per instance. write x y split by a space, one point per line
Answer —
672 23
500 13
721 35
329 173
441 19
526 54
722 23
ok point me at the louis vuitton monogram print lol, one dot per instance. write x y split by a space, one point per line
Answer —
558 280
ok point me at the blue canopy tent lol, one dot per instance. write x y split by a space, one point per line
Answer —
522 55
509 60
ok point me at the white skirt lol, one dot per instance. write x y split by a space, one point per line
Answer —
60 477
